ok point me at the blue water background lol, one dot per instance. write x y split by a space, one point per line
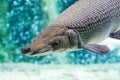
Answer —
22 20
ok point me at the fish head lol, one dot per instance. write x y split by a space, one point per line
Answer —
51 40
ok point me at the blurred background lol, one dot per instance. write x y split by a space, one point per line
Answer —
22 20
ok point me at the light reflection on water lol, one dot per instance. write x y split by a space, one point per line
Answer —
26 19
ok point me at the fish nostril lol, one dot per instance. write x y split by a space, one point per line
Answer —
25 50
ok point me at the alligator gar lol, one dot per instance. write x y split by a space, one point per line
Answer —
81 26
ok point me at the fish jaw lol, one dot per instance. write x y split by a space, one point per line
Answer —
38 51
42 51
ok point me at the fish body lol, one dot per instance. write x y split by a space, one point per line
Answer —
94 19
82 25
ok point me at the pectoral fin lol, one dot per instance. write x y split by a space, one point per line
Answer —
99 49
115 35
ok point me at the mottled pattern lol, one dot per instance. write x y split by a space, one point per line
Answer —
94 19
25 71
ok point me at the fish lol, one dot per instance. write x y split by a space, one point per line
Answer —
81 26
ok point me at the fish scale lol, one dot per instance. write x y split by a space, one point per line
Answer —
91 18
81 26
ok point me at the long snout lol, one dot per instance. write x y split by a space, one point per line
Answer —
37 50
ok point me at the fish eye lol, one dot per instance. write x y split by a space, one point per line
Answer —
56 43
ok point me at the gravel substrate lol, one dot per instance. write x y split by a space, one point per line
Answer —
25 71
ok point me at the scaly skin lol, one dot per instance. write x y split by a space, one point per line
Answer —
92 18
87 21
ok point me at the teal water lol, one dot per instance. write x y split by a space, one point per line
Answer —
22 20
